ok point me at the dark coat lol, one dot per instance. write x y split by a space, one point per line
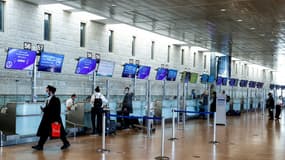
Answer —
213 104
270 102
51 113
128 102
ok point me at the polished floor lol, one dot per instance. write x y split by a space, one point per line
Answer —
248 137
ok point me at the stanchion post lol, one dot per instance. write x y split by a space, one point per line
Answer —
103 149
214 129
162 157
173 126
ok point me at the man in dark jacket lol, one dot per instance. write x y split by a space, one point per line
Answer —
51 113
127 106
270 105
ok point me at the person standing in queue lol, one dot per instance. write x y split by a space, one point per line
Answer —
127 106
51 114
270 105
278 107
97 101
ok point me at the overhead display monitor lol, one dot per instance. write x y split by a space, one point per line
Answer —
50 62
129 70
271 86
224 81
193 77
204 78
161 73
185 77
232 82
171 75
105 68
20 59
219 81
211 79
243 83
143 72
85 66
224 66
251 84
259 85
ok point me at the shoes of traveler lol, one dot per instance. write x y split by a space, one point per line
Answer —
65 146
37 147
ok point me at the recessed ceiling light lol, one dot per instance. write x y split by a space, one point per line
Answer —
271 40
262 34
223 10
239 20
252 28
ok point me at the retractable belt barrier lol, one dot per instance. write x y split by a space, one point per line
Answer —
185 111
162 119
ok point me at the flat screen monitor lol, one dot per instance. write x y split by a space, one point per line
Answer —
161 73
185 77
211 79
143 72
236 82
243 83
219 81
85 66
259 85
232 82
224 81
171 75
271 86
129 70
50 62
204 78
105 68
20 59
251 84
193 77
277 86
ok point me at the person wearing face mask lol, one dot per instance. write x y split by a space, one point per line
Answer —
70 103
127 107
51 114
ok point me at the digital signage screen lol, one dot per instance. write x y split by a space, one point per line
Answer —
129 70
251 84
161 73
271 86
20 59
143 72
204 78
224 81
232 82
243 83
105 68
171 75
185 77
219 81
193 77
85 66
50 62
211 79
259 85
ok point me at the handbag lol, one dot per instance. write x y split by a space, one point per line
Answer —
55 130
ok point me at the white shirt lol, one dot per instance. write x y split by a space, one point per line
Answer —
279 102
69 102
98 95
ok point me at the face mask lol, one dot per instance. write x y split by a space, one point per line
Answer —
47 94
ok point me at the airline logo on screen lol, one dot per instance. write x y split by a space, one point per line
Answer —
20 59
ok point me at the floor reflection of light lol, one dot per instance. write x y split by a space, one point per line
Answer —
214 152
173 150
103 156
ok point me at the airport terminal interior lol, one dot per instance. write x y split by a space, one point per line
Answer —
178 79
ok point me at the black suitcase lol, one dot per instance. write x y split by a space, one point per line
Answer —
110 127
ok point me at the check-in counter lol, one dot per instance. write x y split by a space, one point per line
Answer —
80 116
23 118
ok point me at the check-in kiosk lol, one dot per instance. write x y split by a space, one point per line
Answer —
221 109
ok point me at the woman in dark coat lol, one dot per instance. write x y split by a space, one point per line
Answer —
51 113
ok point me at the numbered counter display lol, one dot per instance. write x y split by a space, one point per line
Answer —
23 118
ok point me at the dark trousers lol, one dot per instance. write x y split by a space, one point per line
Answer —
278 111
126 121
44 138
96 113
270 111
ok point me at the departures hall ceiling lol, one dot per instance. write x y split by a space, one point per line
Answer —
253 29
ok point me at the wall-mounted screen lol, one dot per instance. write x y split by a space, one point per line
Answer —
224 81
232 82
105 68
193 77
143 72
211 79
129 70
204 78
171 75
185 77
20 59
50 62
85 66
251 84
259 85
271 86
219 81
161 73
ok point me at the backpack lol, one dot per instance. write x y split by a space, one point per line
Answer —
97 102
